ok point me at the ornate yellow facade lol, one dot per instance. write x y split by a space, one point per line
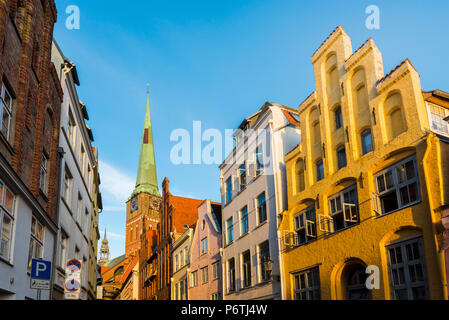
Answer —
365 183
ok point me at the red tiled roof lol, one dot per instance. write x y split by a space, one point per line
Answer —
290 118
185 210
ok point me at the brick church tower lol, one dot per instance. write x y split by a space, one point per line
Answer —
142 208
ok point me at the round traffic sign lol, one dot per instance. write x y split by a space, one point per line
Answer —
72 285
74 265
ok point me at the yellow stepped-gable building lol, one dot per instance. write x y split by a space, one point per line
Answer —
366 182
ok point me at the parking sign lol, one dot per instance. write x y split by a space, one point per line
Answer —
40 274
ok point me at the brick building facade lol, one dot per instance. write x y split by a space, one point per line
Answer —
176 214
31 99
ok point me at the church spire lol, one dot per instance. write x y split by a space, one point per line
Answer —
146 173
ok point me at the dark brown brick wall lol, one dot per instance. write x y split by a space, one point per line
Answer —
26 33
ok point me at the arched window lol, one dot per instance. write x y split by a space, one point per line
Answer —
300 180
356 288
332 73
397 123
367 141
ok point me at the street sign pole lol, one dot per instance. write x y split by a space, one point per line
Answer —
38 294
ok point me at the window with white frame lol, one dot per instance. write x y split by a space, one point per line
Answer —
71 129
397 187
231 275
36 248
64 247
67 187
307 284
204 246
187 256
215 271
343 209
6 111
305 225
194 279
242 176
79 209
7 216
176 262
264 259
407 271
246 269
204 275
228 190
229 231
436 116
244 220
215 296
261 208
259 160
44 173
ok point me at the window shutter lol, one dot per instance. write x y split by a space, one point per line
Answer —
350 212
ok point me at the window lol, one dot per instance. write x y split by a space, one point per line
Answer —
307 285
6 111
63 250
36 249
44 174
86 221
230 231
244 219
71 129
264 258
437 114
246 269
343 209
187 256
338 118
242 176
194 279
262 208
7 208
300 177
407 271
319 170
176 262
204 246
80 210
231 275
67 187
259 161
215 296
367 141
83 160
215 271
341 157
228 190
204 275
305 225
397 187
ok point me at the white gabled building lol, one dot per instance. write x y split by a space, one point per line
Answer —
253 188
76 178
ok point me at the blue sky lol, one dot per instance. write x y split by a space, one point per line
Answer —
217 62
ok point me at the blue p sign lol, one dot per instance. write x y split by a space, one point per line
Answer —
40 269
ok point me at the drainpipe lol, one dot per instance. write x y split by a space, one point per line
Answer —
277 187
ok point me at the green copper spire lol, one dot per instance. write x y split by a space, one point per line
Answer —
146 173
